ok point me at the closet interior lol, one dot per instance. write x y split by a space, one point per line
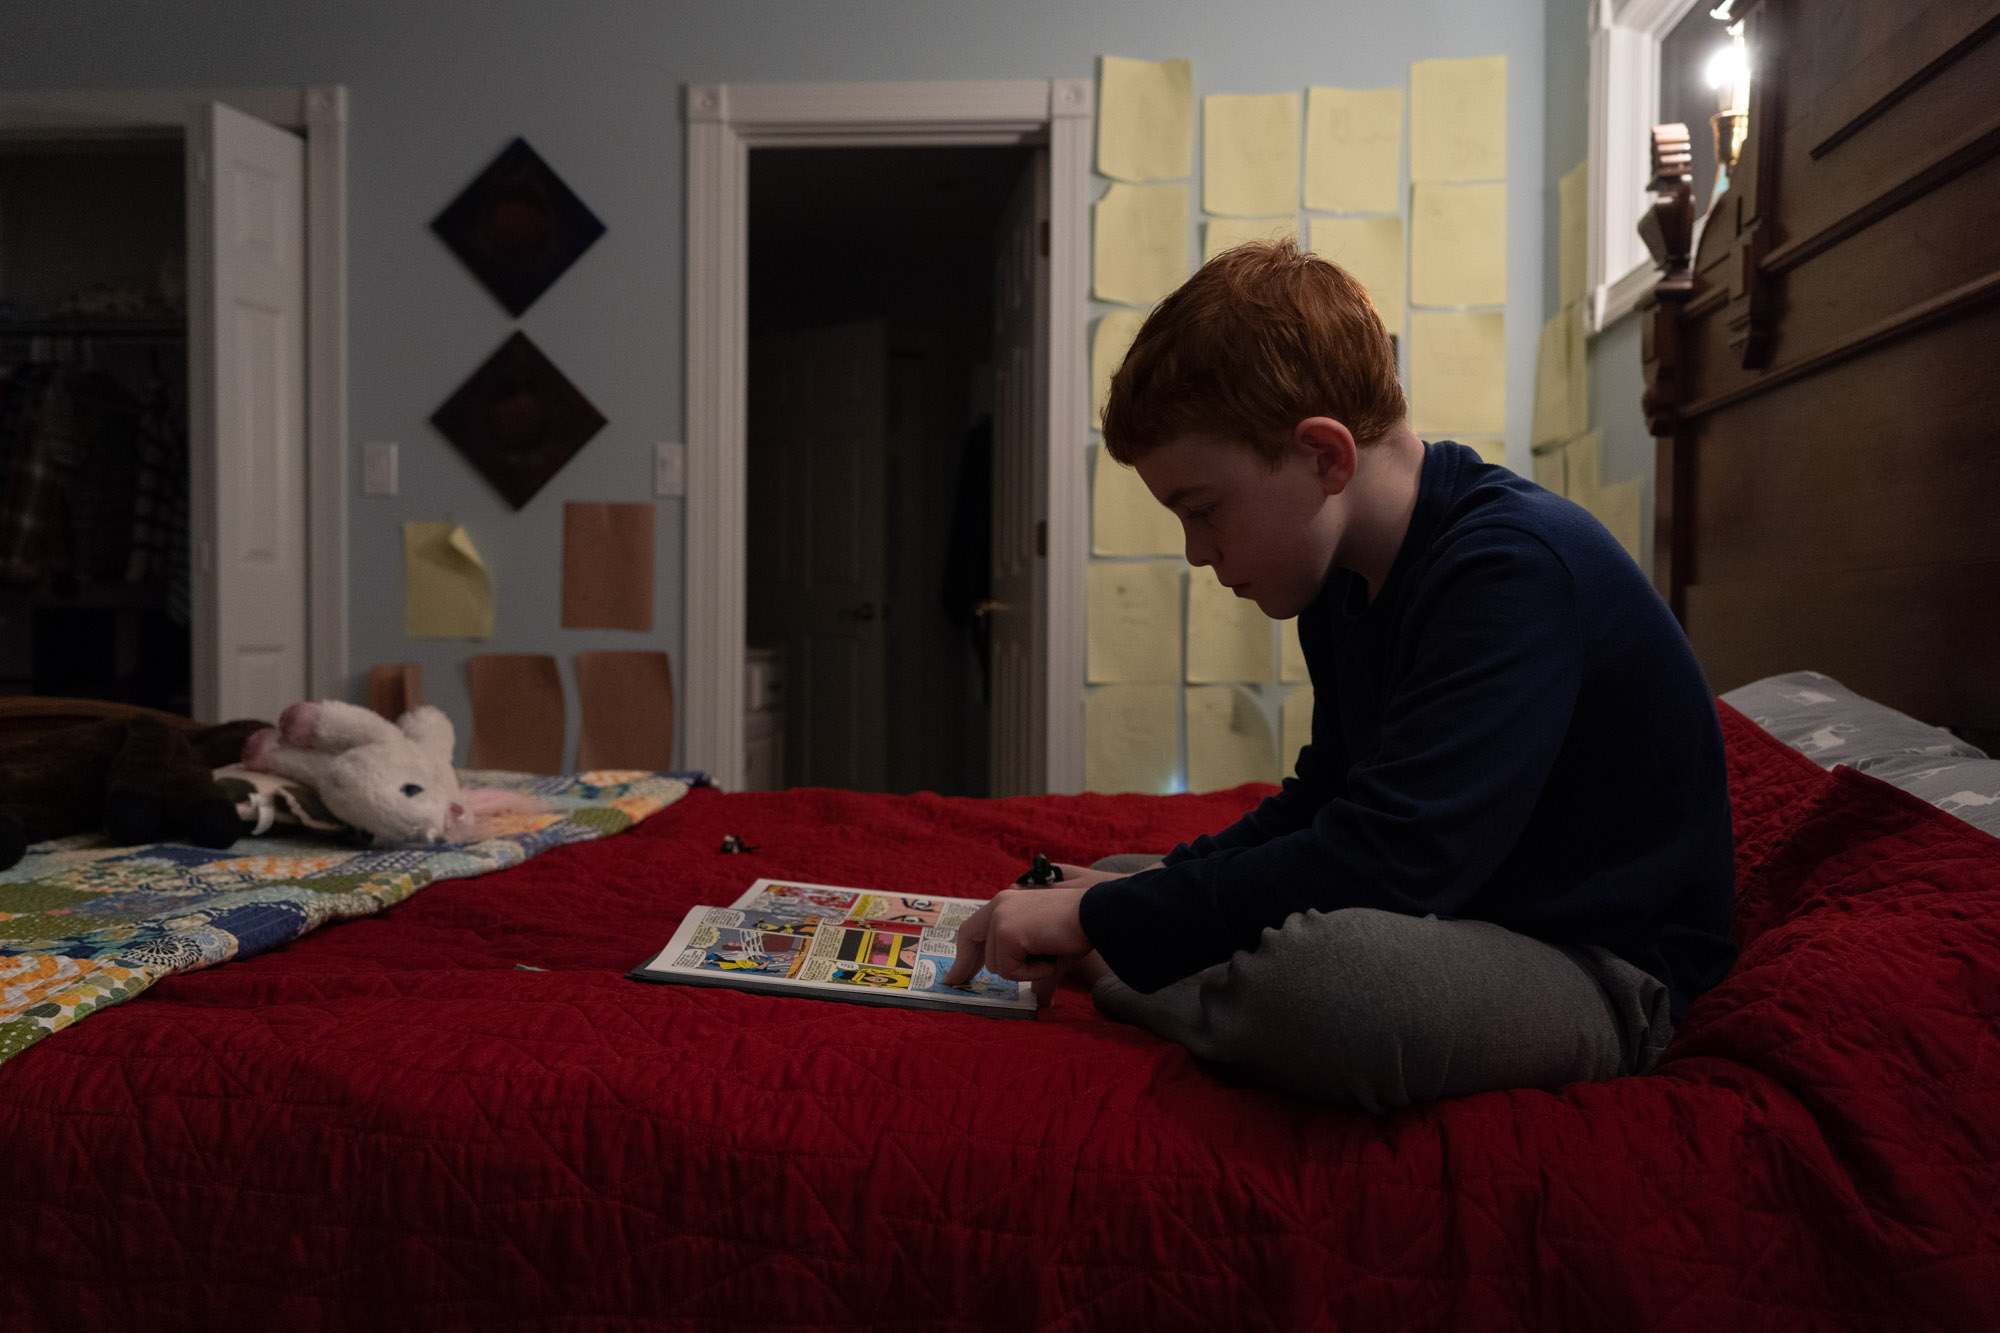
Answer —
94 596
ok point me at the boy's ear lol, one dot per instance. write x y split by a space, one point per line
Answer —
1332 448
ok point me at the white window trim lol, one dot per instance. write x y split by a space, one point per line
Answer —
723 122
1625 37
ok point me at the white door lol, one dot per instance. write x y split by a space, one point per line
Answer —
1018 618
246 413
819 427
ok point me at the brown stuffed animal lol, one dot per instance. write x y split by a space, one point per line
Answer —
138 778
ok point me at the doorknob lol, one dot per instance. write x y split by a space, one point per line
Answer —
989 606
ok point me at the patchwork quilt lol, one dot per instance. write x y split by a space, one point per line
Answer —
458 1114
84 926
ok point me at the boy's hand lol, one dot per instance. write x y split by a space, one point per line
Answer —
1019 922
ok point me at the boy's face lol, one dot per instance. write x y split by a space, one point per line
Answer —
1269 535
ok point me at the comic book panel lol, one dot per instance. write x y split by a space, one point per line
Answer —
861 947
725 949
931 968
876 978
873 907
773 924
795 900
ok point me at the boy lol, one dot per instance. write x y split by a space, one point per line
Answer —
1505 860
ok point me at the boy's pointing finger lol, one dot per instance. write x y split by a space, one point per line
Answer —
971 947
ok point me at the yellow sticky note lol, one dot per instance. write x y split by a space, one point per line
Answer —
1551 469
1145 119
1250 153
1228 638
1562 378
1458 372
1291 654
1108 346
1577 340
1354 149
1458 244
1572 203
1125 519
1552 373
1458 119
1135 620
1372 250
1229 739
1131 738
1141 244
1582 456
1489 449
1296 726
1617 508
1221 234
447 593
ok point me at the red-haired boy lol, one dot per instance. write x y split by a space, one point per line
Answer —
1505 860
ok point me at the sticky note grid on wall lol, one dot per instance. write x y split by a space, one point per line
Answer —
1190 687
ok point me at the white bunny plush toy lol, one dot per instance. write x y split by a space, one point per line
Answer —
392 782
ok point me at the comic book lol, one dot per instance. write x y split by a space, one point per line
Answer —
833 943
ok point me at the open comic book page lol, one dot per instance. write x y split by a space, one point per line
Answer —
834 943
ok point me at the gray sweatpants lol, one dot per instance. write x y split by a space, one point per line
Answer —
1376 1010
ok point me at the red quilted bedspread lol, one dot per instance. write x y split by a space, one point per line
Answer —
394 1123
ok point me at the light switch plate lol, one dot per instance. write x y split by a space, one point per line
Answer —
670 469
378 468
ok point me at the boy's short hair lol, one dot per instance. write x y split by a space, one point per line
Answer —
1259 339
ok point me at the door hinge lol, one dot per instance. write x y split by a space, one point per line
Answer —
1042 538
1045 238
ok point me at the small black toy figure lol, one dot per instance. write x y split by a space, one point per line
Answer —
731 845
137 778
1041 872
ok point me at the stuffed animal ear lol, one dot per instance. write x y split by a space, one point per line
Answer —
429 729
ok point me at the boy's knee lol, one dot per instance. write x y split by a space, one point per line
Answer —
1344 1003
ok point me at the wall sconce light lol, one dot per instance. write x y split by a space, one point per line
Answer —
1728 73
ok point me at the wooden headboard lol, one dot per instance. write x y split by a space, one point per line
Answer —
1824 375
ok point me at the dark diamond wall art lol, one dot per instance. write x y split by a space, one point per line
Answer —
517 227
517 420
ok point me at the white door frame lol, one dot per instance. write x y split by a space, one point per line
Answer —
724 121
319 115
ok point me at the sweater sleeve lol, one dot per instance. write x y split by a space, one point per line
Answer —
1488 669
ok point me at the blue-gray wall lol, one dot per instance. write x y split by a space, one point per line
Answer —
437 87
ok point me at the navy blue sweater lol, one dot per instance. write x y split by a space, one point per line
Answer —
1514 730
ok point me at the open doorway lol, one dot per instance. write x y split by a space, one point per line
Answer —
173 504
871 393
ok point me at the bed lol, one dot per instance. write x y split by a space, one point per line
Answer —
458 1113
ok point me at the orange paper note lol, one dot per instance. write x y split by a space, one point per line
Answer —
607 580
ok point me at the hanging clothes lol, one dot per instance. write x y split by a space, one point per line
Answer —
32 515
159 532
70 439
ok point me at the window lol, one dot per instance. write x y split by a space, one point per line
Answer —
1649 62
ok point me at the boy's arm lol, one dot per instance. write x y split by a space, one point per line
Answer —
1467 742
